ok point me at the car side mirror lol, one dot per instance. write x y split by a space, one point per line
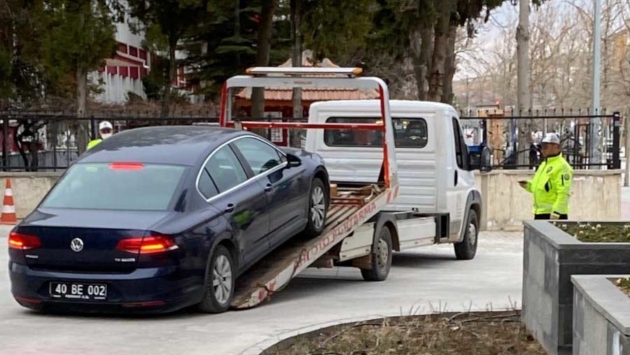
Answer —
479 158
293 160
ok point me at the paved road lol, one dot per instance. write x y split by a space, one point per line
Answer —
422 280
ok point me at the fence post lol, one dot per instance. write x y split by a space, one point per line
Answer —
616 146
94 128
5 142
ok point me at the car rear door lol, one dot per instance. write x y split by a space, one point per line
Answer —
284 186
227 186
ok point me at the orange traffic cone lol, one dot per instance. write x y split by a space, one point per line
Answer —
8 208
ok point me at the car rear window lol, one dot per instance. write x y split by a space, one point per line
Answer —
116 186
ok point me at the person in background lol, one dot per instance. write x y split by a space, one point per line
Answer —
105 130
551 185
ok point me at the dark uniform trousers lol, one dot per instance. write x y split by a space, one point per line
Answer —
548 216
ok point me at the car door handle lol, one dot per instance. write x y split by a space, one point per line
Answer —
268 187
455 177
230 207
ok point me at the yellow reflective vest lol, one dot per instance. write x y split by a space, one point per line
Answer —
93 143
551 186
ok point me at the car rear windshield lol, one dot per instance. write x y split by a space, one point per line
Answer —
116 186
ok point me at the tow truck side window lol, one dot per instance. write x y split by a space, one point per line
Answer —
408 133
461 151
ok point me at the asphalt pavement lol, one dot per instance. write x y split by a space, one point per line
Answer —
422 281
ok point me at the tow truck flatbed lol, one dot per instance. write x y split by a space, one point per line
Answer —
350 207
276 270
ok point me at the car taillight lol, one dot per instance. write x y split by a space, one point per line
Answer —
147 245
23 241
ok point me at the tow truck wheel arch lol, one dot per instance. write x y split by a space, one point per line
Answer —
473 202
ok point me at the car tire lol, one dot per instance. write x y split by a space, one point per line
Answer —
317 209
467 248
219 282
381 258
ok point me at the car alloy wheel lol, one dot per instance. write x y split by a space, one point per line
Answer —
222 279
318 208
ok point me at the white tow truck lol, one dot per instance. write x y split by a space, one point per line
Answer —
367 218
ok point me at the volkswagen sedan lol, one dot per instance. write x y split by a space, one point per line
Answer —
161 218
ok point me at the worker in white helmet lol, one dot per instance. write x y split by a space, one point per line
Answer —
105 130
551 185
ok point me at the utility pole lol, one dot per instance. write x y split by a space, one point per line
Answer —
596 122
523 77
296 61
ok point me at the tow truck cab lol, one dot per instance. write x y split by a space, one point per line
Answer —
435 167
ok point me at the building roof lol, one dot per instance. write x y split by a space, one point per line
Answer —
318 94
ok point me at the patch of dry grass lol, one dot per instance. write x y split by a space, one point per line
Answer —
623 284
597 233
487 333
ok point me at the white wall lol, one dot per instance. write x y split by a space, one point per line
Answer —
115 87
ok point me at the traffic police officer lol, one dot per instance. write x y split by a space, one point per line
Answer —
105 129
551 185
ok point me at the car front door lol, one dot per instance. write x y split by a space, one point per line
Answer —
243 202
284 187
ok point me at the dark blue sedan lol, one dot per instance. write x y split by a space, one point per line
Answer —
161 218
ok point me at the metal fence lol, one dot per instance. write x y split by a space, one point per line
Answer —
501 131
37 141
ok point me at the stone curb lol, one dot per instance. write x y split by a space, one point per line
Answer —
266 344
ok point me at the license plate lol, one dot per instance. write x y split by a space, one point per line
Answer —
78 291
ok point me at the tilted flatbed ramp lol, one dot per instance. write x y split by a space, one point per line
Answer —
348 211
276 270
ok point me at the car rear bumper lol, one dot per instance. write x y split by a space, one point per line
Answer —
143 290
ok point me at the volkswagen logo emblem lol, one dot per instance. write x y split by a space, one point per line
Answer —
76 245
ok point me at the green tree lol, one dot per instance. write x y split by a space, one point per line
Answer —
336 29
230 38
172 19
75 37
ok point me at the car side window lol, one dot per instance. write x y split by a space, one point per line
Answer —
225 169
260 156
206 186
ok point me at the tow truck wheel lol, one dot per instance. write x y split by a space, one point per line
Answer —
317 209
381 259
467 248
219 289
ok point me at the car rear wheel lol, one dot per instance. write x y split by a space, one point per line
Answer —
317 209
219 286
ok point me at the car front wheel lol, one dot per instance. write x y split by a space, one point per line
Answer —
219 289
317 209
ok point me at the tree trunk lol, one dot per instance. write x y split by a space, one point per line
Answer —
296 61
82 126
172 75
449 67
421 47
265 28
439 50
237 28
523 78
626 133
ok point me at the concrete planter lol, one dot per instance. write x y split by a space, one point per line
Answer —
601 316
550 258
